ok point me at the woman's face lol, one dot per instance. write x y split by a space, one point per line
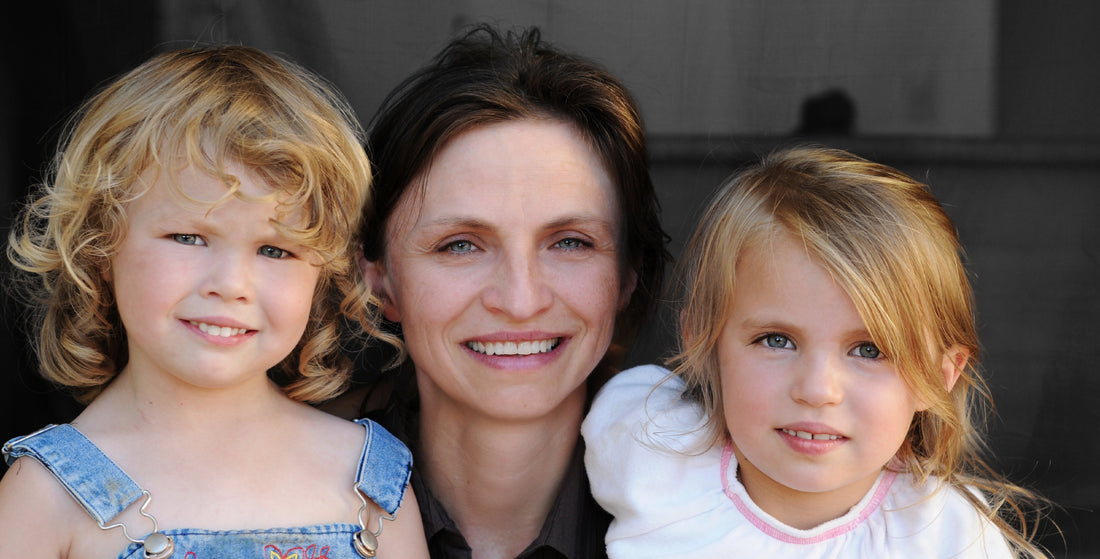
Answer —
505 271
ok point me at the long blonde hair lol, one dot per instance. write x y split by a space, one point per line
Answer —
887 241
205 108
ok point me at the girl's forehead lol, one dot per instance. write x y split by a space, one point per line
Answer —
189 183
194 191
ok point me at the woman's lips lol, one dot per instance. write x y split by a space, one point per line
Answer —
520 348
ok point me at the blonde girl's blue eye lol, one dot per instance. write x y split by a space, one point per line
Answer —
273 252
868 351
187 239
777 341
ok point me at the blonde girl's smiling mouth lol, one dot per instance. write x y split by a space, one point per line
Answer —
813 439
806 435
216 330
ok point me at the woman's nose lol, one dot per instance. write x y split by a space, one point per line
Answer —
519 287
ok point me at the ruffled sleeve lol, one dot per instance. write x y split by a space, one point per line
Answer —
649 467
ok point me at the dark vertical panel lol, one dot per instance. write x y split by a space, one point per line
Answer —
64 51
1049 70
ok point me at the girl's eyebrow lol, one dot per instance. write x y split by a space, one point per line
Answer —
758 323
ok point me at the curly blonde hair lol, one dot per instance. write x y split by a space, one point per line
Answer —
888 243
203 107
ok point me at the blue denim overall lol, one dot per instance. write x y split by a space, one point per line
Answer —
104 490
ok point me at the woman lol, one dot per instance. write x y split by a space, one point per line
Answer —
513 234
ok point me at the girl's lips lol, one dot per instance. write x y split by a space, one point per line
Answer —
810 442
215 330
806 435
219 333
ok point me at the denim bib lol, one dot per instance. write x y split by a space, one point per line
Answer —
104 491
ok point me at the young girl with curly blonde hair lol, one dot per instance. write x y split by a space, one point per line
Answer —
187 263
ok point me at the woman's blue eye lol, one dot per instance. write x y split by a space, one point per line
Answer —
460 247
777 341
187 238
869 351
570 244
273 252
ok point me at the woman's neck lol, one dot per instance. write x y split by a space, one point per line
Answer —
496 478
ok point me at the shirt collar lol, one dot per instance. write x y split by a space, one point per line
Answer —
574 528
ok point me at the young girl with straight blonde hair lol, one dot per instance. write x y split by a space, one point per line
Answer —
824 397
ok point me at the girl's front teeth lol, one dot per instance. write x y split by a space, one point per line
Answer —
213 330
811 436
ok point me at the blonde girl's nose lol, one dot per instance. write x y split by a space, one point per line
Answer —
228 275
818 381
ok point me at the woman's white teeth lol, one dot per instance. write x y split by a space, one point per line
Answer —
223 331
513 348
811 436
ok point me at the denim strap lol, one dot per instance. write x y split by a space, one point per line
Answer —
384 467
96 482
104 490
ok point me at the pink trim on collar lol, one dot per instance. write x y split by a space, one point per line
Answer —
761 524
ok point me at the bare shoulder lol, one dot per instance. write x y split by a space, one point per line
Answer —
35 512
334 443
328 429
404 536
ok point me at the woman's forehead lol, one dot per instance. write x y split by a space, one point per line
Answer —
537 168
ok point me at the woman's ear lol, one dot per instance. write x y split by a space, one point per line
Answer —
374 273
954 363
627 285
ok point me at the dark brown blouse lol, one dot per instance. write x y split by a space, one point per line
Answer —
574 528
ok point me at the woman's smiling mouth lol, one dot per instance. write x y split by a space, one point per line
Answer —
514 348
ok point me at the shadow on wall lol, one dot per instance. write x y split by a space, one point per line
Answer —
829 113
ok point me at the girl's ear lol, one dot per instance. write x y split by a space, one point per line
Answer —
954 363
374 273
